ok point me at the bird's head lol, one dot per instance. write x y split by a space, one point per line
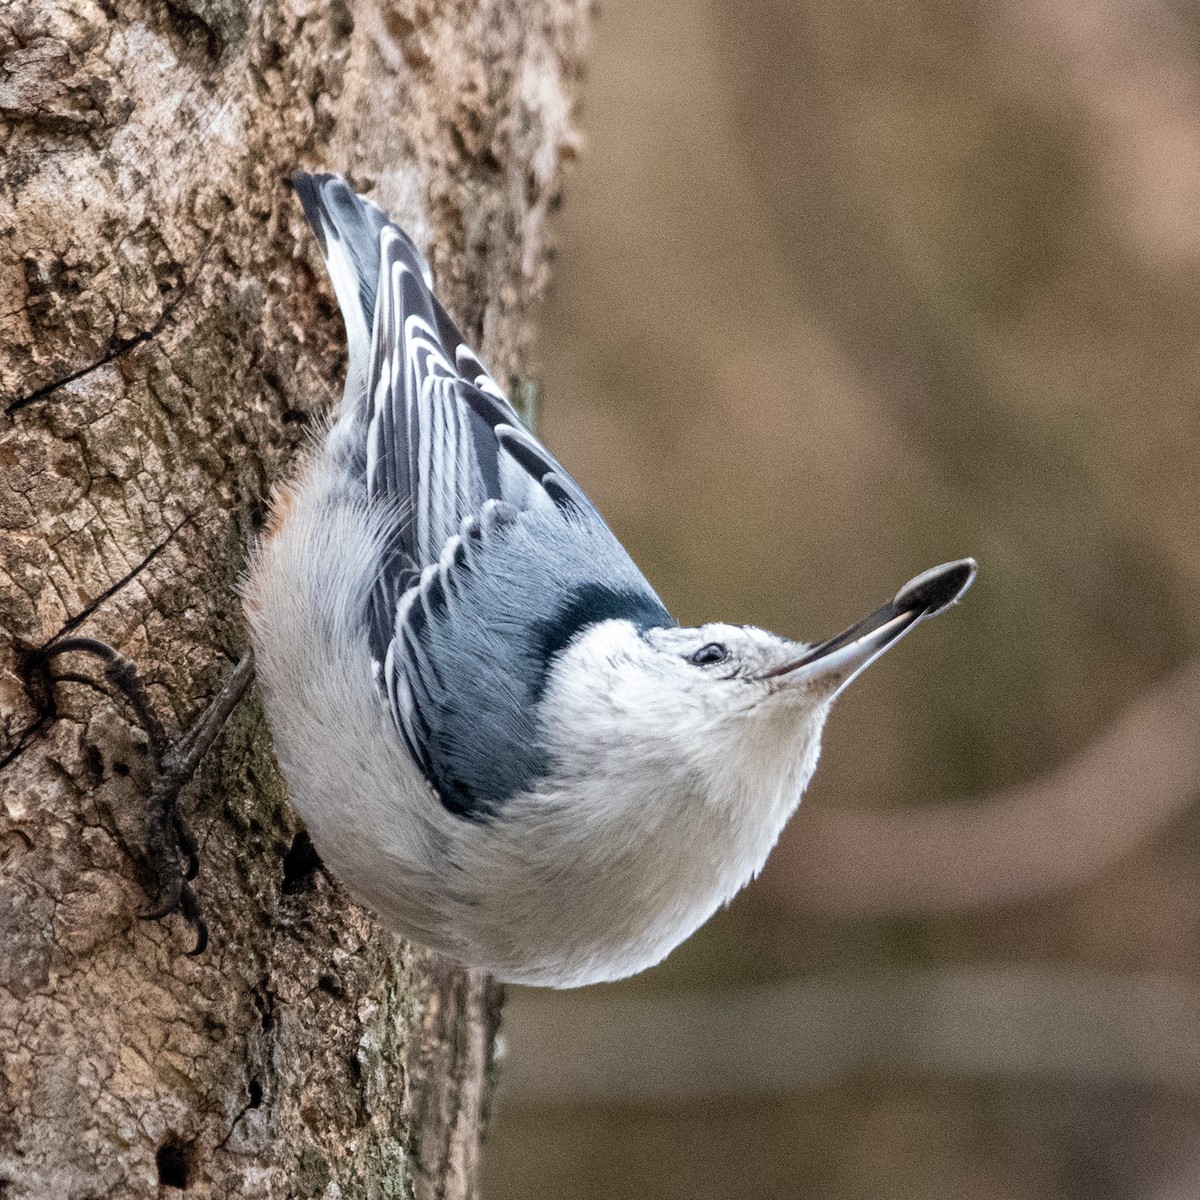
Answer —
724 718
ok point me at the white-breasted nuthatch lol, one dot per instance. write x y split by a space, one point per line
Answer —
500 740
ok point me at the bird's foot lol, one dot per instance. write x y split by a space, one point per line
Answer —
171 850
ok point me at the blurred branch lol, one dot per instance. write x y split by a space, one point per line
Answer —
1052 834
609 1046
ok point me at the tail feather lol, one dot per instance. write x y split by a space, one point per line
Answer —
348 230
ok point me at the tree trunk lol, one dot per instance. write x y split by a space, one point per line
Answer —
167 342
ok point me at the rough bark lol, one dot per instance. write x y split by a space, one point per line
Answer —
167 342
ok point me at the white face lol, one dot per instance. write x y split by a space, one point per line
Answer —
728 672
736 654
697 706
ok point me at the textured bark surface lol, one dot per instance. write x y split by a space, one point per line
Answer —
167 342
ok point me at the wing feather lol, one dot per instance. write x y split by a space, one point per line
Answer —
442 439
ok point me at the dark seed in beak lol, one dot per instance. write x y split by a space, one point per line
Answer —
937 588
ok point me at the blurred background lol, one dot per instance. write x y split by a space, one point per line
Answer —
843 291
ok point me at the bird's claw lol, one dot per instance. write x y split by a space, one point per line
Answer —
168 838
182 897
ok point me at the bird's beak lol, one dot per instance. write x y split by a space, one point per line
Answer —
837 661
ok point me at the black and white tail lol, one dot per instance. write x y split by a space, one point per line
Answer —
348 229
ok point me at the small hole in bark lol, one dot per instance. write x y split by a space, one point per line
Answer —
120 768
93 763
340 20
355 1069
264 1001
171 1159
255 1090
299 863
330 985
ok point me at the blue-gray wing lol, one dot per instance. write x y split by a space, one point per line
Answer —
441 439
494 557
467 669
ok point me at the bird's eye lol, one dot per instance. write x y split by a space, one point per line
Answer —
708 654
